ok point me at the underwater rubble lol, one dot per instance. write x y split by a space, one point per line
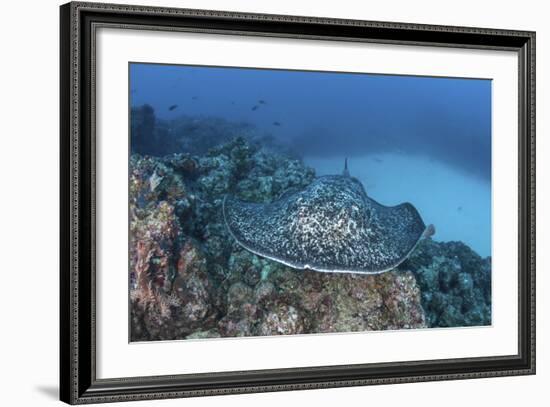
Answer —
189 279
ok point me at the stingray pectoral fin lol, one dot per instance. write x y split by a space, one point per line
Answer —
399 229
235 216
249 224
258 229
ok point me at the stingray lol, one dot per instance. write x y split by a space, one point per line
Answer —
329 226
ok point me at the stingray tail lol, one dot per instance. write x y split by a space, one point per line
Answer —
346 172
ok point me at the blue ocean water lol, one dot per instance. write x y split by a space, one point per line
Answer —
423 140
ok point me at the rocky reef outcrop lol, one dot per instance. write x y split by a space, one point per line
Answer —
455 283
190 279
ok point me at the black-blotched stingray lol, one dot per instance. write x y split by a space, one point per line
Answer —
330 226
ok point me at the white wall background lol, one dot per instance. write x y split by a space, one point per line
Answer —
29 202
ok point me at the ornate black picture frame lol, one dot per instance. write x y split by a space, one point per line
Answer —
78 381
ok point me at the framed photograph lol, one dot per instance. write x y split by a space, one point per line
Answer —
255 203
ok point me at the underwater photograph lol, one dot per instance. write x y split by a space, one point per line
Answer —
280 202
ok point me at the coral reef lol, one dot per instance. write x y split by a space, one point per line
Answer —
193 134
455 283
190 279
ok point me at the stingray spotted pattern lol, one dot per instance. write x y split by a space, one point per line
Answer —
330 226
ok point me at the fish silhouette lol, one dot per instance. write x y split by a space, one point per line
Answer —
173 107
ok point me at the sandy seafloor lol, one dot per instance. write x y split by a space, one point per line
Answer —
456 203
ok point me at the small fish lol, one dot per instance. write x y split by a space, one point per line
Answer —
255 107
194 97
173 107
276 124
459 209
378 160
261 102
